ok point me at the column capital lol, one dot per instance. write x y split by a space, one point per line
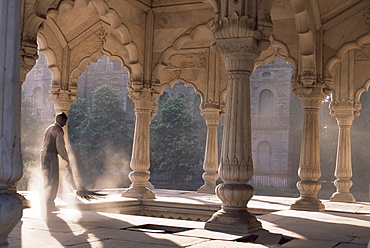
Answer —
311 90
344 111
62 99
144 94
28 55
211 112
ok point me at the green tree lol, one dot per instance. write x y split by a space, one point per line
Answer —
99 131
175 139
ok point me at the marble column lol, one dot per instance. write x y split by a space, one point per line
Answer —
241 30
236 166
344 113
212 116
143 99
311 93
11 166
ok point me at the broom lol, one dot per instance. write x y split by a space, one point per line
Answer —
82 192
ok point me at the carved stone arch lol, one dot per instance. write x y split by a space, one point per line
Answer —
338 58
276 50
111 16
171 83
345 48
93 58
194 59
51 57
306 35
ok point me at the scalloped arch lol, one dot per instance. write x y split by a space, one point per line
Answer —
51 57
276 50
170 84
345 48
93 58
177 46
338 57
106 14
111 17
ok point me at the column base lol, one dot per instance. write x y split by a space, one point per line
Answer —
11 211
207 188
342 197
308 204
234 221
138 192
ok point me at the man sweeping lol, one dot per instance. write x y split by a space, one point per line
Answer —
53 144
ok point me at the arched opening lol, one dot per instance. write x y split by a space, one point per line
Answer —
99 130
177 140
266 104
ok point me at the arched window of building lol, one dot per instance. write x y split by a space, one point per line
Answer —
264 155
265 104
38 100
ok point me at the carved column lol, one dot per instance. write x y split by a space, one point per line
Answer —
11 166
344 113
212 115
241 32
311 92
143 98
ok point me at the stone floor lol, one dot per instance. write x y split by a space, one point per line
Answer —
342 225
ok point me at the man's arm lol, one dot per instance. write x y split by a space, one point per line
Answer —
61 148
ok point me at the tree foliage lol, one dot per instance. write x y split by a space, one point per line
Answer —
175 136
98 130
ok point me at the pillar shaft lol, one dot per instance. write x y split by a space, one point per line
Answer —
210 165
140 159
241 30
236 166
343 168
309 170
11 166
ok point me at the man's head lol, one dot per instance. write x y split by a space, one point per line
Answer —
61 119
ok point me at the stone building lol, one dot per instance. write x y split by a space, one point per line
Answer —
211 45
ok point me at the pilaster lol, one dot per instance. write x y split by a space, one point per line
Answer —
212 114
344 112
144 97
11 166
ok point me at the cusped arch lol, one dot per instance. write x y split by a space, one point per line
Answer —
93 58
51 57
276 50
111 16
355 45
171 83
177 45
176 48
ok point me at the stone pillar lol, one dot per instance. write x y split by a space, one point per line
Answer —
241 32
344 113
212 116
311 93
11 167
143 98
